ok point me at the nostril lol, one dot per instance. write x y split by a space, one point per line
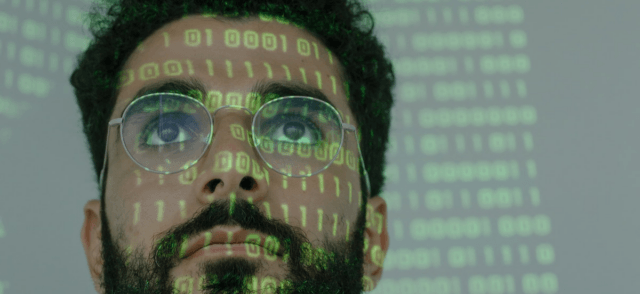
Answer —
213 184
247 183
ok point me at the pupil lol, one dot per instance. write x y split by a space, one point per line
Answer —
168 131
293 130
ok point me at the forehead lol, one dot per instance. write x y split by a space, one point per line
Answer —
231 56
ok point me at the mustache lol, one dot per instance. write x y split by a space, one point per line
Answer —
237 212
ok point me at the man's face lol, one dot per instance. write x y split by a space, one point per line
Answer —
212 228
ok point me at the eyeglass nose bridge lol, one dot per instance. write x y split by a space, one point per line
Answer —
237 107
231 106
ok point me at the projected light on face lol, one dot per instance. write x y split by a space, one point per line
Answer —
235 167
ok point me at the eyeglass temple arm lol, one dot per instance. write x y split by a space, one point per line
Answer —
113 122
350 127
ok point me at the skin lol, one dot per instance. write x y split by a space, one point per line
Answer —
198 199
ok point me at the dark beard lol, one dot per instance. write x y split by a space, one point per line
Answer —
339 270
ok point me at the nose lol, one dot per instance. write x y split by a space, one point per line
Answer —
232 165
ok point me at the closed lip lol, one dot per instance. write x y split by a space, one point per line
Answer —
220 235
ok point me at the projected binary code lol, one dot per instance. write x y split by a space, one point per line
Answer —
38 41
462 189
465 215
35 47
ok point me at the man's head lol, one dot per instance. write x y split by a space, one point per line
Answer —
143 234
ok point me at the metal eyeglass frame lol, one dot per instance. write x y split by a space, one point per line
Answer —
343 126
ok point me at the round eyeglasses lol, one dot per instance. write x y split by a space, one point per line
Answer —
297 136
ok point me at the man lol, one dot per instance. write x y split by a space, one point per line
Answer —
232 161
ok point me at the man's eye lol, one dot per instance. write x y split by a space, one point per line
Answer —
169 128
293 129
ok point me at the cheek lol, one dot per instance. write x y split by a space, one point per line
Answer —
143 207
321 204
342 177
336 186
119 221
145 219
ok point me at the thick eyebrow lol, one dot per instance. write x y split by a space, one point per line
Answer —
188 86
269 90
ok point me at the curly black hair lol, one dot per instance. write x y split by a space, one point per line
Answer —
345 27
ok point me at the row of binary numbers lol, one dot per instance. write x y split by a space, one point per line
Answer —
462 71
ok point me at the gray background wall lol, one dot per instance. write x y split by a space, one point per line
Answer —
540 197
